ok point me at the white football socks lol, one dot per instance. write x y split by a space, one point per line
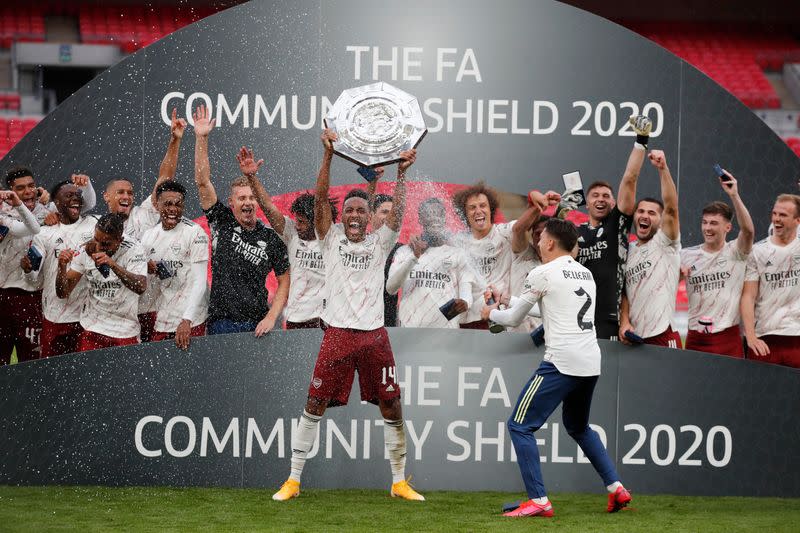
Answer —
302 442
541 501
394 436
613 487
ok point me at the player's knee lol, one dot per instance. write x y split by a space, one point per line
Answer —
521 427
316 406
391 409
578 432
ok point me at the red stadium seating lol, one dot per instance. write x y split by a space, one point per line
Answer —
731 54
20 24
794 144
133 27
12 130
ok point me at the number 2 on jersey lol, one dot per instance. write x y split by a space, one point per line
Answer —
387 370
582 313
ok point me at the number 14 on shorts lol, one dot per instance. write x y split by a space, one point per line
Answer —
388 371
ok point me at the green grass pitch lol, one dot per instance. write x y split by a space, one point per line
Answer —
193 509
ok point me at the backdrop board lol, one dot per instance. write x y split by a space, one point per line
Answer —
516 92
222 415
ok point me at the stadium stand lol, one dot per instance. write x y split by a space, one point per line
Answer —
134 27
734 55
21 24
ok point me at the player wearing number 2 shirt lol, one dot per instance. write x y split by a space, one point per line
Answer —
355 339
565 291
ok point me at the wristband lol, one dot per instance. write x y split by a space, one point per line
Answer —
642 139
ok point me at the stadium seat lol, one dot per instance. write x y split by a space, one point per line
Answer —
734 55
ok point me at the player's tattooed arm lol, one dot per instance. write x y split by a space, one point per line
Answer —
135 282
670 223
203 124
322 212
249 168
395 218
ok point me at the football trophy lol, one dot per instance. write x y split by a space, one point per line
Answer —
374 123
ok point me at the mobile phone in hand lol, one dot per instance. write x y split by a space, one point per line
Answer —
163 271
3 232
633 337
36 257
447 309
718 171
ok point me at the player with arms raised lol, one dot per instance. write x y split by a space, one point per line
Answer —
653 268
565 291
355 338
714 273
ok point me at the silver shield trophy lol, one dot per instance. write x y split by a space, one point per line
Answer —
374 123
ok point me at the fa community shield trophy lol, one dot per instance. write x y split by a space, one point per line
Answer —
374 123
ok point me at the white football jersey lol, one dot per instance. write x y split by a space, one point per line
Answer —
432 282
491 258
12 249
307 275
355 280
51 241
777 270
142 218
565 291
714 286
110 307
652 274
521 265
178 248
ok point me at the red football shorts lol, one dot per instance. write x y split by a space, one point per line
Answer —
20 324
95 341
60 339
669 338
147 321
725 342
344 351
783 350
197 331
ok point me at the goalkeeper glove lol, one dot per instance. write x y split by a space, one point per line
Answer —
642 125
